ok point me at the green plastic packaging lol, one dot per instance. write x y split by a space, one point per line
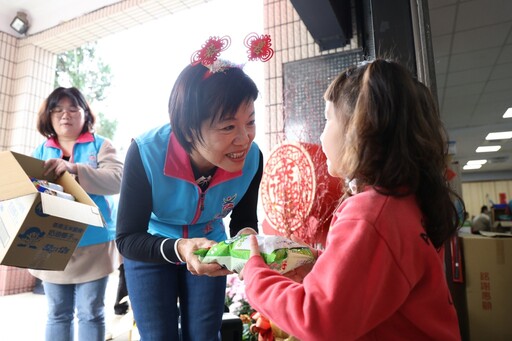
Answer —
279 253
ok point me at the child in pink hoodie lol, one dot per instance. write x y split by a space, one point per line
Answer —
381 276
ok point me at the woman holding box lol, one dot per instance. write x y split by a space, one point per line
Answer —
67 121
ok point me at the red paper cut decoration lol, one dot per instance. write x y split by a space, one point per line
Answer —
210 50
297 193
259 47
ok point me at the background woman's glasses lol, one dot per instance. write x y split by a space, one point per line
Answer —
58 112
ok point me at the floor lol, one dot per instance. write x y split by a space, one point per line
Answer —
23 316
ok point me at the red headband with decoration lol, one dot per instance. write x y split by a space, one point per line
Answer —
259 47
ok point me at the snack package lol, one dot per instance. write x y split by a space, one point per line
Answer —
51 188
279 253
47 184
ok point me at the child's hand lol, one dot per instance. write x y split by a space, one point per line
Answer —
255 251
299 273
255 248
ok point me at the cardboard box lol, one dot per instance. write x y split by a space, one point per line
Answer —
488 276
39 230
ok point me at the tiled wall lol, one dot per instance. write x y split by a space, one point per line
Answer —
7 62
27 74
291 42
33 81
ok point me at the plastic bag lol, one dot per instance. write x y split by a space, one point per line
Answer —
279 253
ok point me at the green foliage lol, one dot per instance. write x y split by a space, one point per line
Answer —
106 127
83 70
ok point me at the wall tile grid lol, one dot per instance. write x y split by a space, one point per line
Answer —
7 62
27 72
291 42
32 80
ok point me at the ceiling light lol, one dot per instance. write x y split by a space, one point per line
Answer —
487 149
508 113
477 162
466 167
20 23
504 135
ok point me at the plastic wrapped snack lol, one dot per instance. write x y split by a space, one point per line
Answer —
280 253
51 188
47 184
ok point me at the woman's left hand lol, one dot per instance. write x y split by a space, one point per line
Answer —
59 166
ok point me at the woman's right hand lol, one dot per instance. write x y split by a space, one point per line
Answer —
186 248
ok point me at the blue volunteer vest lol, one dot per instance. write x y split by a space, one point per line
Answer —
180 208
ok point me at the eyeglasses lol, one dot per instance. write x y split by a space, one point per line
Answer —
58 112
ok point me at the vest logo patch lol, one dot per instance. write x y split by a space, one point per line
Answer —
92 161
228 203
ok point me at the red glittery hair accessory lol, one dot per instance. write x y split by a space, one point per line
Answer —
259 47
210 50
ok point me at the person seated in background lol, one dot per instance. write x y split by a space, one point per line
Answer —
482 222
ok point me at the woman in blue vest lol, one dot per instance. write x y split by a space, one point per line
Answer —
67 121
180 181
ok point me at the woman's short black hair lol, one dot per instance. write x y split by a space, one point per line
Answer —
199 95
44 120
